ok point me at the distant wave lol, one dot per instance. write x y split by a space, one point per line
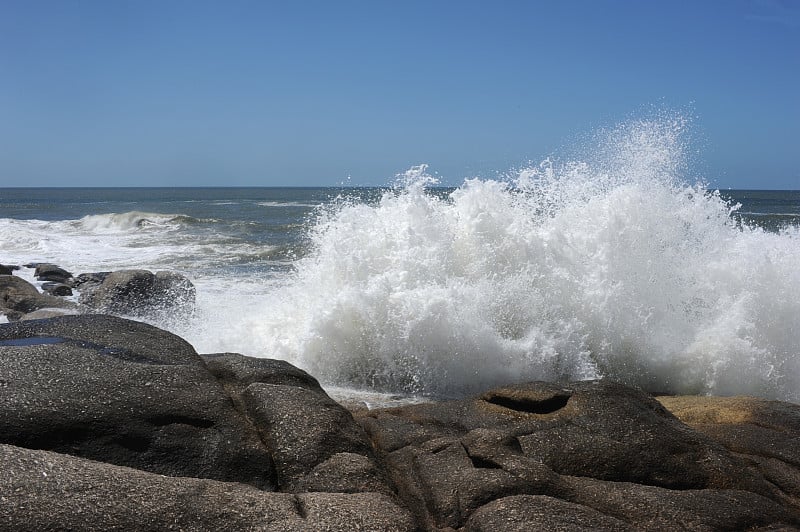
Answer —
136 220
287 204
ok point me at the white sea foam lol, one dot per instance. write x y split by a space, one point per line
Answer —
612 266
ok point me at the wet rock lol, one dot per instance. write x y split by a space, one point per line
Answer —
126 393
43 490
317 446
138 293
52 273
56 289
18 297
81 397
6 269
90 280
237 372
653 508
344 473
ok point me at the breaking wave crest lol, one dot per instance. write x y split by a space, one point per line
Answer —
611 266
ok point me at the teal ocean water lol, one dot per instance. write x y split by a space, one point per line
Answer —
615 266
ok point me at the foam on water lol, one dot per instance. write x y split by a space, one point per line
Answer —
613 266
614 263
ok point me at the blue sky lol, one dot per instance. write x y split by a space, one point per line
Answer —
195 93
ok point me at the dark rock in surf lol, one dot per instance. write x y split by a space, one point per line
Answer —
19 297
7 270
124 393
138 293
56 289
89 279
52 273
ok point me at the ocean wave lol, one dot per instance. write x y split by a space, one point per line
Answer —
287 204
611 266
126 221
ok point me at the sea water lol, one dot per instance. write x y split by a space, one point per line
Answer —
616 263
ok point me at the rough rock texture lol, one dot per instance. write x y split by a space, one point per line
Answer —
111 424
126 393
764 433
56 289
137 292
18 297
300 443
323 449
450 459
52 273
42 491
82 396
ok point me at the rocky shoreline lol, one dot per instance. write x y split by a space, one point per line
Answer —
111 424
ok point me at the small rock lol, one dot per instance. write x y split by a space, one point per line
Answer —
7 270
51 272
56 289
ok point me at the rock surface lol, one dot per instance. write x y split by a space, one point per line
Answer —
111 424
138 293
42 490
19 297
128 394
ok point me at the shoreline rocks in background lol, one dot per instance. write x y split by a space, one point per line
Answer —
19 297
108 423
135 293
7 270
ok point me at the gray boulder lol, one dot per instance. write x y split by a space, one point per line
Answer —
56 289
53 273
6 269
138 293
303 427
316 444
126 393
18 297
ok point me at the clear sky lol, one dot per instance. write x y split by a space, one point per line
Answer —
295 93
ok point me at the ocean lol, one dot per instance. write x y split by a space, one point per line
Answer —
615 265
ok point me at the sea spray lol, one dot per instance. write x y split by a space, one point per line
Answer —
613 266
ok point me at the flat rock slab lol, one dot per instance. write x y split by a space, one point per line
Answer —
41 491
